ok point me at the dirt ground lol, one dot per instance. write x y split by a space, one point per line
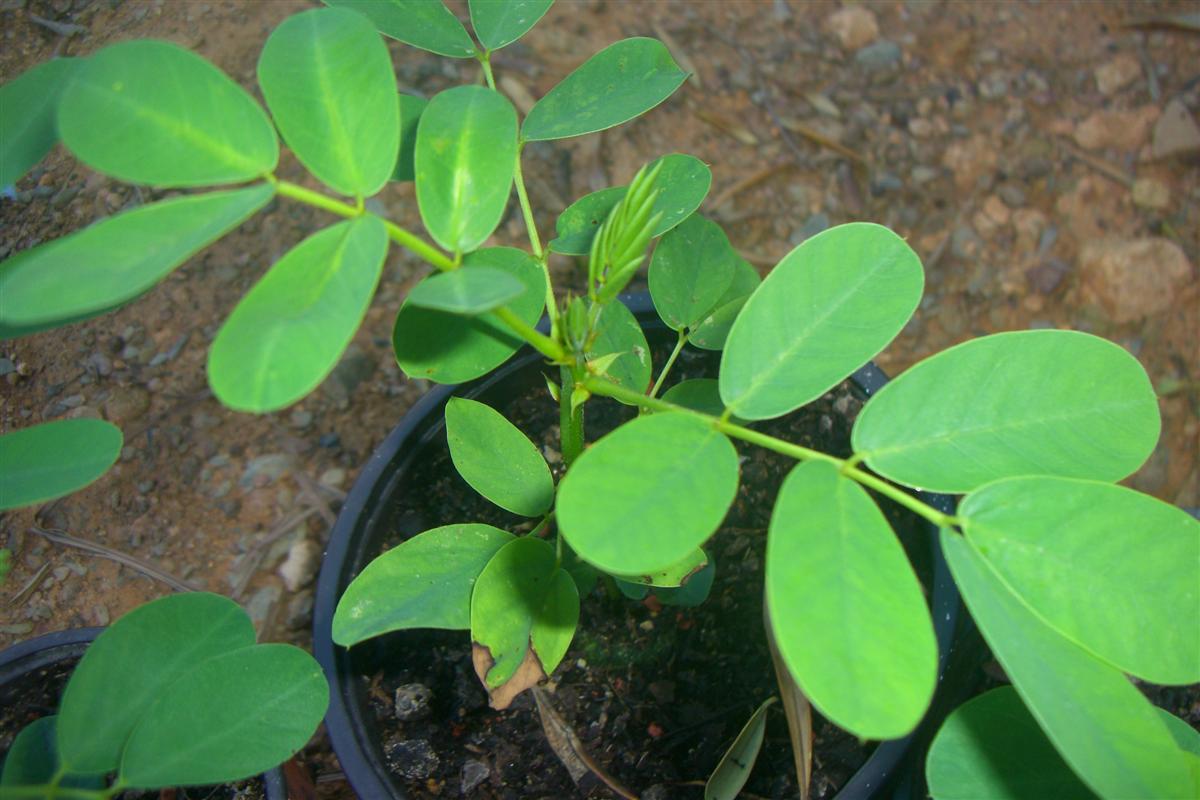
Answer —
1043 159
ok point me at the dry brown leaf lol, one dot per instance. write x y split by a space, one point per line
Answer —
798 711
729 126
529 674
570 751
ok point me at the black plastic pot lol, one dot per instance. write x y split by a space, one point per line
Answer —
357 538
54 648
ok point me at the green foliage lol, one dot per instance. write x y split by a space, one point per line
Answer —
426 24
28 133
497 459
618 333
411 109
469 292
500 24
691 272
733 771
173 693
54 459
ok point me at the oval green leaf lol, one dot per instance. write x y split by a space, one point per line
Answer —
55 459
327 78
713 330
128 666
152 112
423 582
622 81
674 576
825 310
29 126
501 23
618 332
682 184
692 593
698 394
1042 402
499 461
1102 726
691 271
31 759
446 348
411 109
288 332
230 717
426 24
469 292
93 271
1111 569
850 618
648 494
733 770
465 155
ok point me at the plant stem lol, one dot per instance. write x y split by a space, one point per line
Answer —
485 61
541 342
297 192
662 376
570 422
535 242
610 389
409 240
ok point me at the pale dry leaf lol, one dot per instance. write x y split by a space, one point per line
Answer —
529 674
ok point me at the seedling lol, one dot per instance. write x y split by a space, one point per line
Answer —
1075 582
175 693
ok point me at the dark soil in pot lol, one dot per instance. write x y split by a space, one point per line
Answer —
655 693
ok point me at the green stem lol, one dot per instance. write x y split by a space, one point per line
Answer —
662 376
541 526
410 241
570 422
541 342
485 61
535 242
610 389
296 192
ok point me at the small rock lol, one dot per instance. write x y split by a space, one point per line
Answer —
920 128
329 440
414 759
261 604
354 368
1150 193
1045 277
879 56
1118 130
996 210
994 85
473 774
334 478
965 243
126 404
100 614
811 227
1112 76
300 565
301 418
1133 278
299 611
854 27
923 175
7 366
413 701
1012 195
1176 132
99 364
970 160
269 466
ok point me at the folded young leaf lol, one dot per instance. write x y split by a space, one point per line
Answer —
825 310
1043 402
464 160
848 613
691 271
125 670
151 112
648 494
29 130
115 260
288 332
1111 569
469 292
622 81
618 332
272 697
426 24
734 768
423 582
499 461
411 109
327 78
54 459
1104 728
499 24
446 348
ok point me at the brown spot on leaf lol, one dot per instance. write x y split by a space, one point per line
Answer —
529 674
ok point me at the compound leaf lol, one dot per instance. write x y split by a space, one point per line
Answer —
55 459
619 333
499 461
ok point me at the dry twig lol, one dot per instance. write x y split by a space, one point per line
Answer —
146 568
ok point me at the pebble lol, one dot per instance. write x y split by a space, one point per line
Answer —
329 440
7 366
474 773
414 759
300 566
261 604
886 182
811 227
1133 278
1175 133
854 27
879 56
965 243
1011 194
301 418
334 478
1150 193
1114 75
99 364
1117 130
270 467
355 367
126 404
299 611
1046 276
922 175
412 701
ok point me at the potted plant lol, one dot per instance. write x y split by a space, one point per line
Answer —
175 693
1058 565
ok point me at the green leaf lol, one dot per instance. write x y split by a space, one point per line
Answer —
683 182
1113 570
713 330
674 575
1103 727
851 621
523 603
423 582
445 348
231 717
648 494
698 394
426 24
1042 402
327 78
54 459
128 666
117 259
734 768
465 156
618 331
31 759
825 310
501 22
152 112
411 109
28 128
469 292
690 272
622 81
288 332
992 747
497 459
692 593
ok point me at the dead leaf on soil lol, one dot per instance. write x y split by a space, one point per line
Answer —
798 711
529 674
570 751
